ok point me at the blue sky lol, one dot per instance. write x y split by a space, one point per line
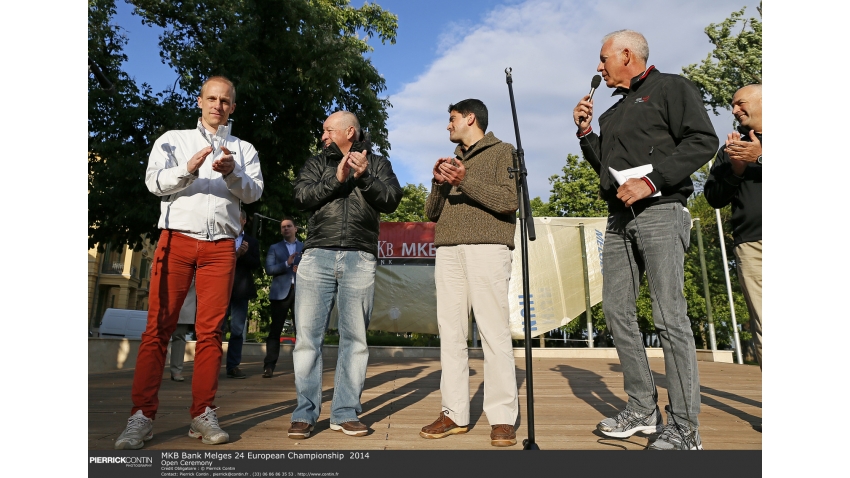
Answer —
450 50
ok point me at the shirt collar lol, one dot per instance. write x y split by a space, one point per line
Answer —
634 83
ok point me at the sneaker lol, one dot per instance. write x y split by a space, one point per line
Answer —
354 429
139 430
205 426
442 427
267 373
177 377
677 437
299 430
236 373
502 435
628 422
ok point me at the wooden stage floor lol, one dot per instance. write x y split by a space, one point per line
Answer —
402 395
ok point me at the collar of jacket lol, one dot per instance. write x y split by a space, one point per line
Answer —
488 140
635 83
333 152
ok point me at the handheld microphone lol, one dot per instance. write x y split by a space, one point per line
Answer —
594 83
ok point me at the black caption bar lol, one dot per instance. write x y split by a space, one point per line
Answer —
413 464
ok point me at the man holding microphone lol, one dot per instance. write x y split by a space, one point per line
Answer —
660 126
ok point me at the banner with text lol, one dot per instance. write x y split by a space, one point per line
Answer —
406 298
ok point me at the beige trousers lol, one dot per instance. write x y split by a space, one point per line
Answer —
476 277
748 256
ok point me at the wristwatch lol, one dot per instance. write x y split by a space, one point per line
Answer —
759 160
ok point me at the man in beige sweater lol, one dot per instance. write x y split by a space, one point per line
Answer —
474 201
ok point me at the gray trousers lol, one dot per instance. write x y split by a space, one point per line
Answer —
476 277
748 255
656 241
178 348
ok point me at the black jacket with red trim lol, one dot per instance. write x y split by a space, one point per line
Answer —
660 120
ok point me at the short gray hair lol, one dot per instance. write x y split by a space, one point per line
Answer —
634 41
347 118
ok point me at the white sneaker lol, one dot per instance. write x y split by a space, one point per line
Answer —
205 426
139 430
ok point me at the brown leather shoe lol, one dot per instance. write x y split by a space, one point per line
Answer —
502 435
354 429
442 427
299 430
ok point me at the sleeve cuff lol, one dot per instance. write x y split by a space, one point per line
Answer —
365 180
233 177
185 172
650 184
655 178
585 132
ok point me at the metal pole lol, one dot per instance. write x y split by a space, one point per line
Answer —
729 289
526 233
586 285
728 282
711 335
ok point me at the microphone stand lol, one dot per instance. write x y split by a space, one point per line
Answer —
526 233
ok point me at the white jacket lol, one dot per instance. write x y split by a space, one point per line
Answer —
204 205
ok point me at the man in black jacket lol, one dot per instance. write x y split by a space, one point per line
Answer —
345 188
654 138
736 178
247 260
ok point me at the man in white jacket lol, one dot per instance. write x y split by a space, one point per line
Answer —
202 178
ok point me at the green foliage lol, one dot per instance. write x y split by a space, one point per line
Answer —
292 61
542 209
412 206
694 289
259 309
575 193
123 123
734 63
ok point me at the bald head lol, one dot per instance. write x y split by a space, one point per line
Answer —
347 119
746 107
341 128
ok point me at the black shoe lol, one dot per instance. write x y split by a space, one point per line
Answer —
267 373
235 373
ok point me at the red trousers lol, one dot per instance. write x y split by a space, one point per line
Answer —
177 259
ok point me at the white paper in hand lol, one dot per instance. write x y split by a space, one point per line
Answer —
626 174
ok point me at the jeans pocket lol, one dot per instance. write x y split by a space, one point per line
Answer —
367 261
686 228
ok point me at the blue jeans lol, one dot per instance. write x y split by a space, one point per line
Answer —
326 276
656 243
238 312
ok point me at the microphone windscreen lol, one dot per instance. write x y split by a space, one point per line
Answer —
594 83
